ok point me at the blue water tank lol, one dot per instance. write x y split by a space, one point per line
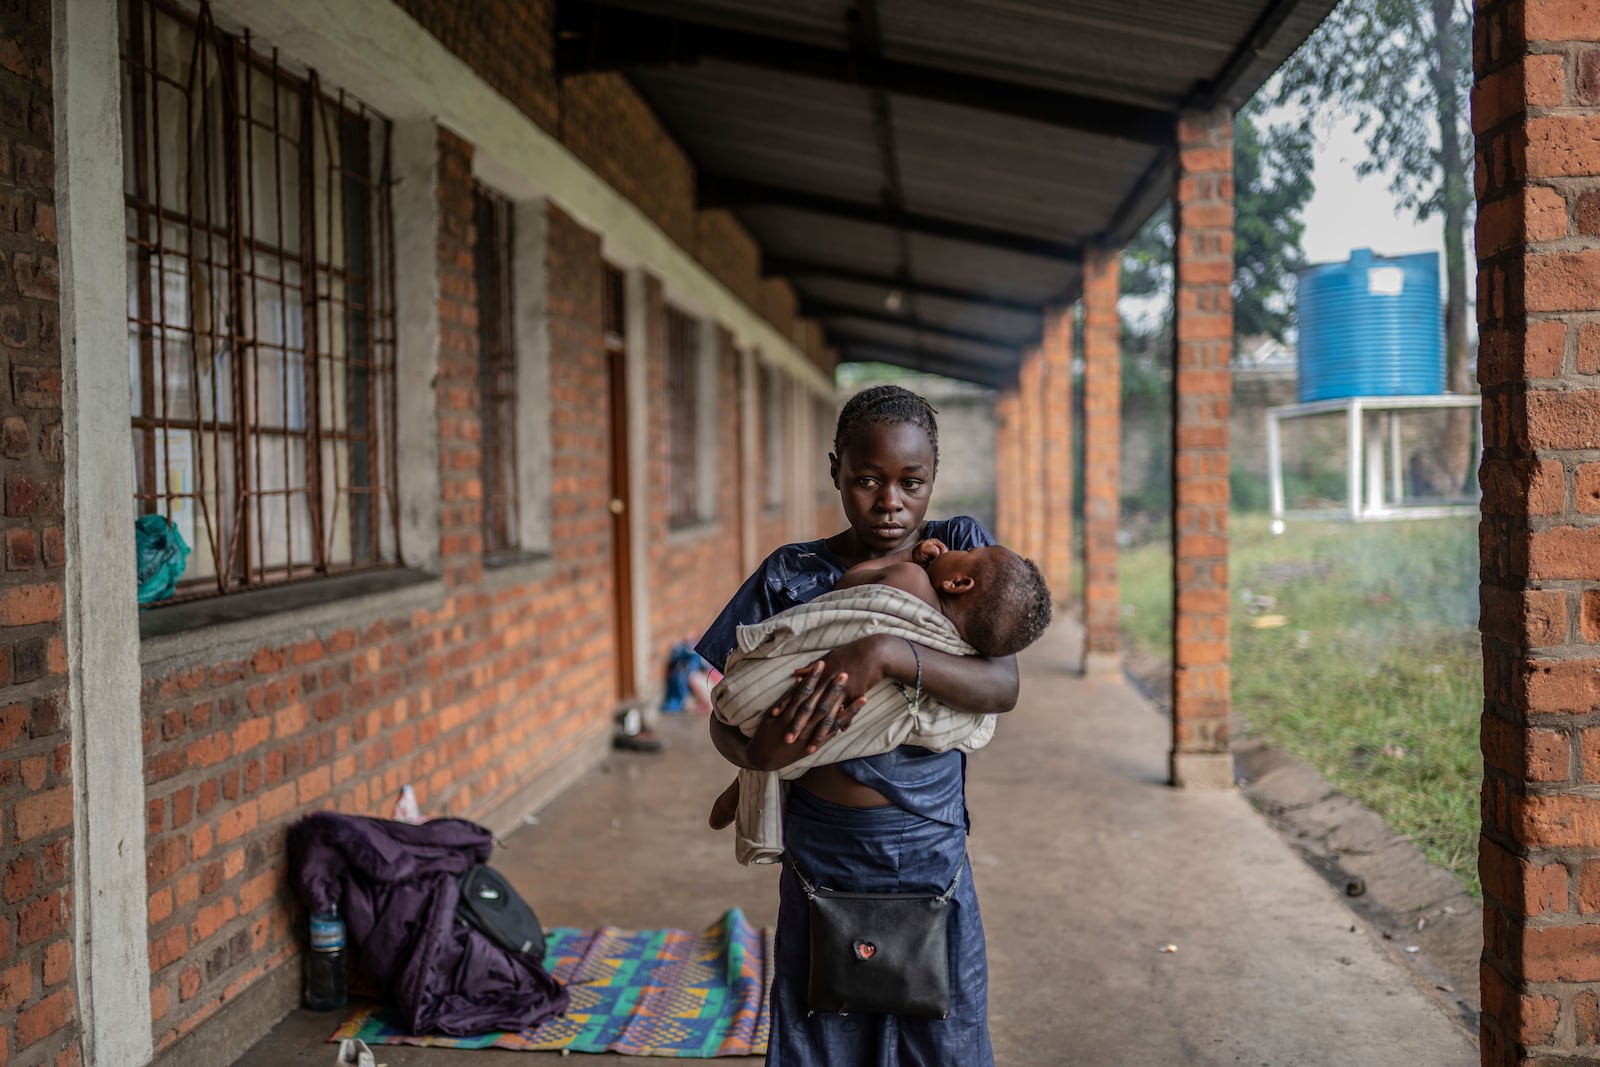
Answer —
1372 326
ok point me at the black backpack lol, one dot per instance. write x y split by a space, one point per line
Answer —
489 902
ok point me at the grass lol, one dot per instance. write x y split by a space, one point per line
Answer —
1374 677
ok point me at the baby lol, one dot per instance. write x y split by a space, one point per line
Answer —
996 601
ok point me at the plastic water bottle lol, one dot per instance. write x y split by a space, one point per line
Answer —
324 977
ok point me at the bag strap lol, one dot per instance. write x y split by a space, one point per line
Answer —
948 893
943 898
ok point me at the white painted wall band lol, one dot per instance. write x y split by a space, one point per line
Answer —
375 50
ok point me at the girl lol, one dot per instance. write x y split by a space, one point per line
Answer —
890 823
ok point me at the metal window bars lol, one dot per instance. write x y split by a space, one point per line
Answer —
682 418
497 367
261 319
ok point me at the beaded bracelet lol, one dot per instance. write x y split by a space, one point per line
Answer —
914 699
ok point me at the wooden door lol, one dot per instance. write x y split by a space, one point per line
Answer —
621 524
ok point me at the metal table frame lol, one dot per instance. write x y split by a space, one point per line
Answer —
1381 456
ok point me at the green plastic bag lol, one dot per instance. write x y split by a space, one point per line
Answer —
162 556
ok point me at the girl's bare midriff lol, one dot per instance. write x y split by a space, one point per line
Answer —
831 783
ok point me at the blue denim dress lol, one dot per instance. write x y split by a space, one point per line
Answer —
915 845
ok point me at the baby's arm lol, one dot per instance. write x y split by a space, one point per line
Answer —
911 577
905 570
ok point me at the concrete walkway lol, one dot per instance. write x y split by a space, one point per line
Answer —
1087 865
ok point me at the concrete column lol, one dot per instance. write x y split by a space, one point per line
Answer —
1030 442
1102 430
108 907
1536 107
1202 386
1056 555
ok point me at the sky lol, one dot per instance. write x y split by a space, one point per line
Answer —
1347 212
1344 213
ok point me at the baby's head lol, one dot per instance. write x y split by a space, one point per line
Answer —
997 600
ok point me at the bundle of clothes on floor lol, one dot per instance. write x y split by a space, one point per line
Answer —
444 937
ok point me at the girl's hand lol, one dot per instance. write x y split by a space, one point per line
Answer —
828 692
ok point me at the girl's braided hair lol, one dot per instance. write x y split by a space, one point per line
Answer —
886 404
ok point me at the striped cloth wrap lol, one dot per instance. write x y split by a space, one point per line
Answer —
761 669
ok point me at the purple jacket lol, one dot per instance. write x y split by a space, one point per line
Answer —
395 886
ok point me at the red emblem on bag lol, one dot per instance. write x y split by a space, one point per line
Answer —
865 950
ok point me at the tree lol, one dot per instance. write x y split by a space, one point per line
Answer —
1272 183
1403 69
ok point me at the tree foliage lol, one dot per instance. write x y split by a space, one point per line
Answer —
1403 69
1272 183
1385 62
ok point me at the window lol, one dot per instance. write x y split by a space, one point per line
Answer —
497 368
683 381
772 425
827 415
260 308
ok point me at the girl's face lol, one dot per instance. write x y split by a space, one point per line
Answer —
885 478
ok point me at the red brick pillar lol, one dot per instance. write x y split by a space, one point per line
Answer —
1102 448
1056 556
1536 111
1006 482
1202 212
1030 443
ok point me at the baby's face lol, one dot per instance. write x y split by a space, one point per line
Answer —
966 563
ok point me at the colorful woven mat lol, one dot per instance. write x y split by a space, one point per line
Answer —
640 993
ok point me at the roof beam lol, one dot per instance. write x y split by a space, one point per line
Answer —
780 266
816 309
999 354
859 349
1249 50
714 191
597 37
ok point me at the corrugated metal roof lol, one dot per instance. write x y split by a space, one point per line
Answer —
935 143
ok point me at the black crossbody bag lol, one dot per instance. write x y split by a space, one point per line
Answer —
884 953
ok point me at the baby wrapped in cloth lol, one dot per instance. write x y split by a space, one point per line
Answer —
1015 610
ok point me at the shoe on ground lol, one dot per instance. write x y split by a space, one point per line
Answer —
353 1052
643 741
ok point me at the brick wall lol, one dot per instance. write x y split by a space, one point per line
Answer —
469 700
1008 514
608 126
467 703
1030 429
1536 113
510 46
689 572
38 1023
